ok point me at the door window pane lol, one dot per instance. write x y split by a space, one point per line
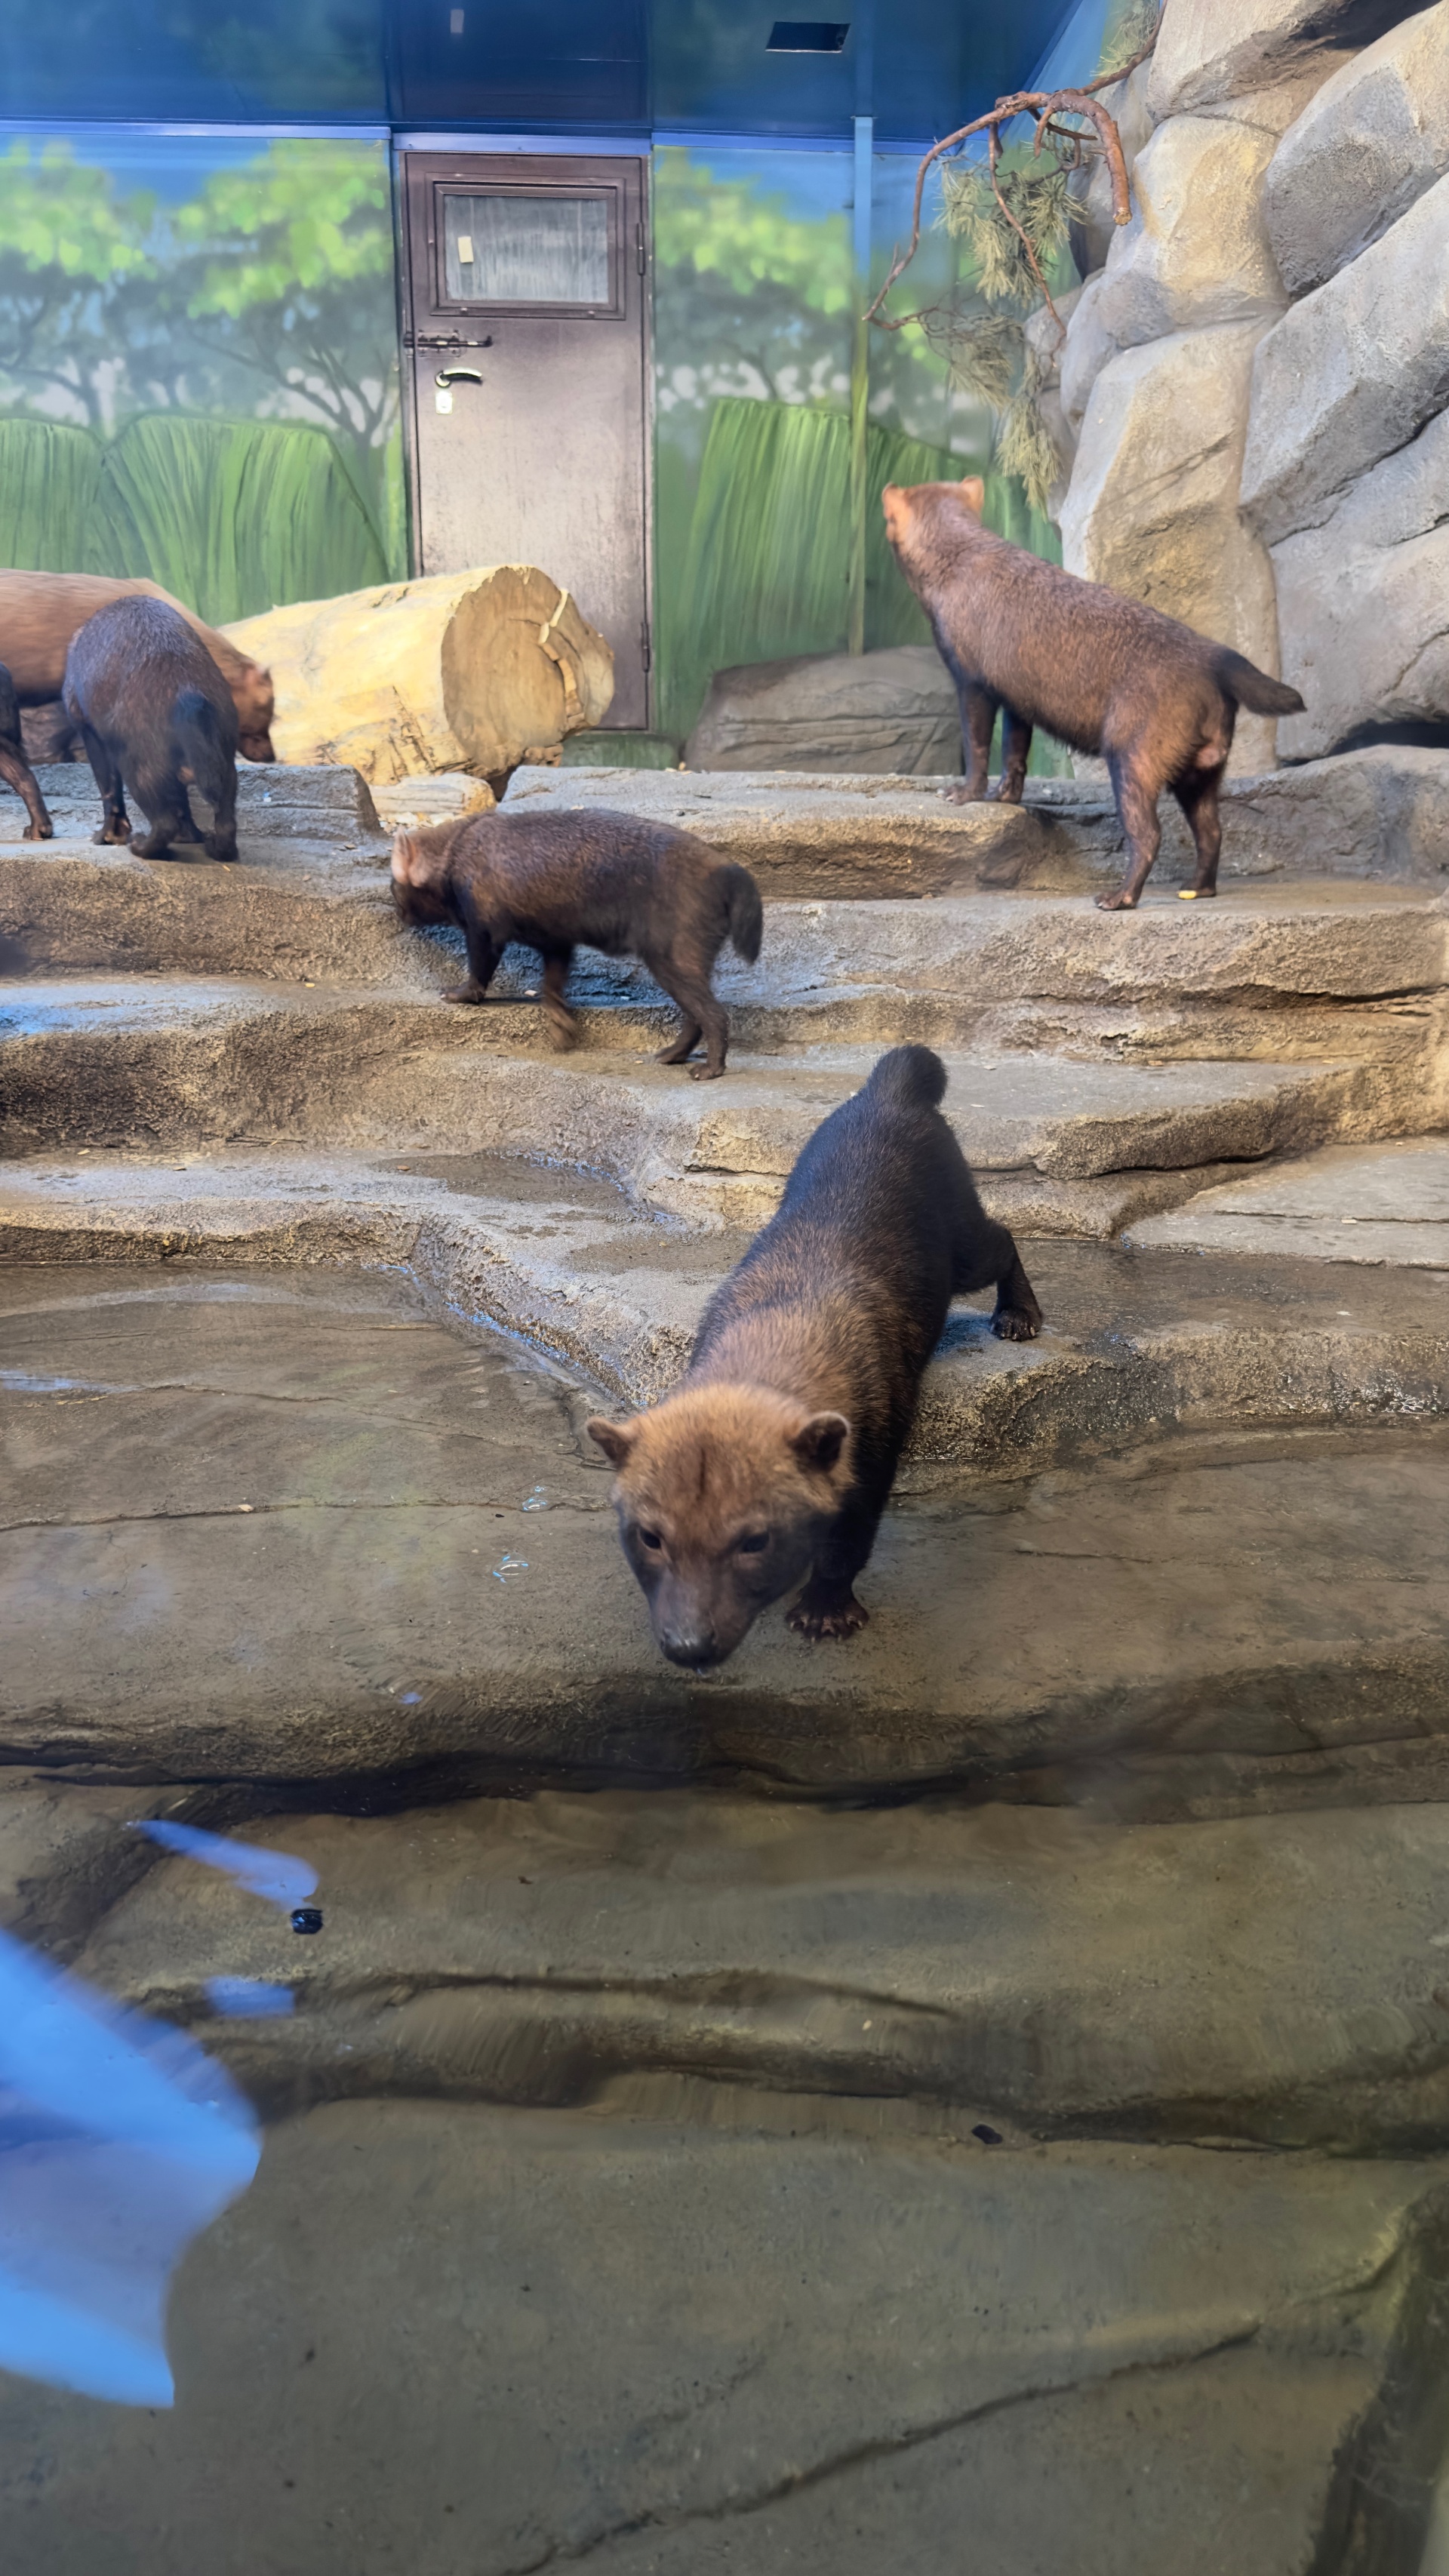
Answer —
526 250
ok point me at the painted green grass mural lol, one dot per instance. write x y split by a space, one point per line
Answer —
49 478
765 572
233 516
200 382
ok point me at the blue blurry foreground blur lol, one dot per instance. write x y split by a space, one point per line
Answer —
279 1875
119 2142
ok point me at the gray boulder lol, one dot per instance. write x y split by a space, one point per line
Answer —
893 711
1196 252
1084 353
1363 602
1215 49
1350 374
1152 509
1369 144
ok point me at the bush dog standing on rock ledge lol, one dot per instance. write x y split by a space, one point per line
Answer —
155 715
556 881
1102 672
775 1456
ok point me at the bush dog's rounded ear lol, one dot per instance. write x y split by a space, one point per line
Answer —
818 1442
404 853
973 493
616 1439
894 503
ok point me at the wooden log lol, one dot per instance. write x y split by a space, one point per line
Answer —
467 670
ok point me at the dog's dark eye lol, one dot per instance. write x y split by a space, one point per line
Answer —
754 1543
651 1538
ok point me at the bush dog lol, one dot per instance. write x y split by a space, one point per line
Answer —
1103 673
155 715
553 881
15 769
774 1457
41 612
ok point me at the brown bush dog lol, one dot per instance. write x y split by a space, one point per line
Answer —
155 715
557 881
15 769
774 1458
42 612
1102 672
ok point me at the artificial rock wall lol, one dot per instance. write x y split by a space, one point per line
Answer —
1252 398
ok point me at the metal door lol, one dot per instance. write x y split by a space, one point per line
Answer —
527 346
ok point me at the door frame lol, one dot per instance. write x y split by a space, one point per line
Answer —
480 147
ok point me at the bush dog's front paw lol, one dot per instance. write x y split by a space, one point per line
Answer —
818 1617
1013 1326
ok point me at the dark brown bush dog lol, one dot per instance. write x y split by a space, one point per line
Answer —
15 769
774 1458
155 714
607 881
41 612
1103 673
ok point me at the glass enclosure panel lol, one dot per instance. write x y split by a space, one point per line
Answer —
222 60
526 250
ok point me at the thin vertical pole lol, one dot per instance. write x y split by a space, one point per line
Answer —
860 379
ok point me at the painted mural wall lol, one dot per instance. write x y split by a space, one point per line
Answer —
198 364
753 302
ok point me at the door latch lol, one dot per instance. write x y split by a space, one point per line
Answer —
446 378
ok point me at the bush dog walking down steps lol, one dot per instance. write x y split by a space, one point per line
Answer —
775 1456
15 769
1103 673
557 881
155 715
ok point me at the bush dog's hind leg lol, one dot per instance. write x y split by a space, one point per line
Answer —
700 1012
484 951
563 1028
1015 753
1197 794
114 825
1136 792
167 807
989 1259
15 769
978 722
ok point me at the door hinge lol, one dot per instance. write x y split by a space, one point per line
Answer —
644 646
641 250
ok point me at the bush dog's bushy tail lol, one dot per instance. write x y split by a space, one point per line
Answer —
199 735
912 1075
775 1457
744 911
1247 686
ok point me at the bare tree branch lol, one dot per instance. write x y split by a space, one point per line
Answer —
1043 106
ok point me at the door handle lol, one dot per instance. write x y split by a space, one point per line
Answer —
457 376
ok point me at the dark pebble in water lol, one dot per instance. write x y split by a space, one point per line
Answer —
988 2137
306 1918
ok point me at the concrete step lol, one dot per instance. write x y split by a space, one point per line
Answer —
431 2320
106 1061
1382 812
538 1949
1133 1345
296 1523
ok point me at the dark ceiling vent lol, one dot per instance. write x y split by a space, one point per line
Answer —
808 36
